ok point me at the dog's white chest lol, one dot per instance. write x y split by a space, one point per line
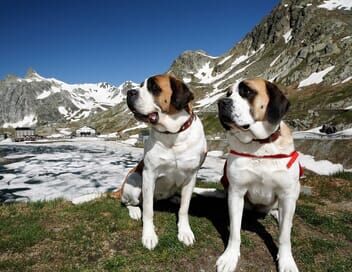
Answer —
260 193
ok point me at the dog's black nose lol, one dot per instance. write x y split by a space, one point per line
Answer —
225 101
132 93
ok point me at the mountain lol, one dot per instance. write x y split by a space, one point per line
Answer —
301 42
305 46
35 100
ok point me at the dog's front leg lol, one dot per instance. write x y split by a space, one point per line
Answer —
149 237
185 234
228 260
287 208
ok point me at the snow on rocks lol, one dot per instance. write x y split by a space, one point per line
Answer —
347 79
204 74
27 121
336 4
275 60
316 134
316 77
288 35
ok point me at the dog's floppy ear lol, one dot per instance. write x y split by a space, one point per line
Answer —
181 95
278 103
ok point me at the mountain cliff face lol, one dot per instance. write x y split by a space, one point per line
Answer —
35 100
305 46
299 44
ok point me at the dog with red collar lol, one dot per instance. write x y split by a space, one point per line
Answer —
262 170
173 153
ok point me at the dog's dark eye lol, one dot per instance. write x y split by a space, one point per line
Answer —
142 84
153 87
246 92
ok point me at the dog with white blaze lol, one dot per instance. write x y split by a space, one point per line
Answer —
173 153
262 170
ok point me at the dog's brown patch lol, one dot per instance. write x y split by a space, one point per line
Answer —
174 95
163 100
286 138
260 102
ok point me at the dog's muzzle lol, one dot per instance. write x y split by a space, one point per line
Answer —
132 96
225 107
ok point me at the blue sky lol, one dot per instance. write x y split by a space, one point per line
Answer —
93 41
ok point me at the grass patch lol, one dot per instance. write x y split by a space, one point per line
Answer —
100 236
343 175
335 225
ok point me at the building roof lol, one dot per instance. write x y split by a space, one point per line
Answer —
86 127
24 128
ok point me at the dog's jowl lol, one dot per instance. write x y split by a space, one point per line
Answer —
262 169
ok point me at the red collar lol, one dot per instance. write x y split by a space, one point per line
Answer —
294 156
186 125
272 138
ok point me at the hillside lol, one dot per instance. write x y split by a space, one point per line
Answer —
38 101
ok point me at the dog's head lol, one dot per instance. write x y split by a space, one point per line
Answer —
252 109
160 101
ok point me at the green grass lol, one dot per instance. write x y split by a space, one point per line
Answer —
100 236
343 175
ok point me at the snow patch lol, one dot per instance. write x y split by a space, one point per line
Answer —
336 4
141 125
208 100
288 35
187 80
62 110
315 78
314 133
224 60
346 38
44 94
204 74
323 167
28 121
205 55
132 140
85 198
346 79
275 60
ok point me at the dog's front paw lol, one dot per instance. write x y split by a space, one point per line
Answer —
287 264
227 261
149 240
186 236
134 212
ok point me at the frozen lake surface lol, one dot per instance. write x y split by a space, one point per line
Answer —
73 170
82 169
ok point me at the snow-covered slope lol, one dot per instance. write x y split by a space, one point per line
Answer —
299 44
44 100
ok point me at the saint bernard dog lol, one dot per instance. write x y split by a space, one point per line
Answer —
173 153
262 170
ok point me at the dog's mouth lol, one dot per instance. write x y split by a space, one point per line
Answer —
245 127
152 117
235 125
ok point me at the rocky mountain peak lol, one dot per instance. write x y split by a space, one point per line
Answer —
300 43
